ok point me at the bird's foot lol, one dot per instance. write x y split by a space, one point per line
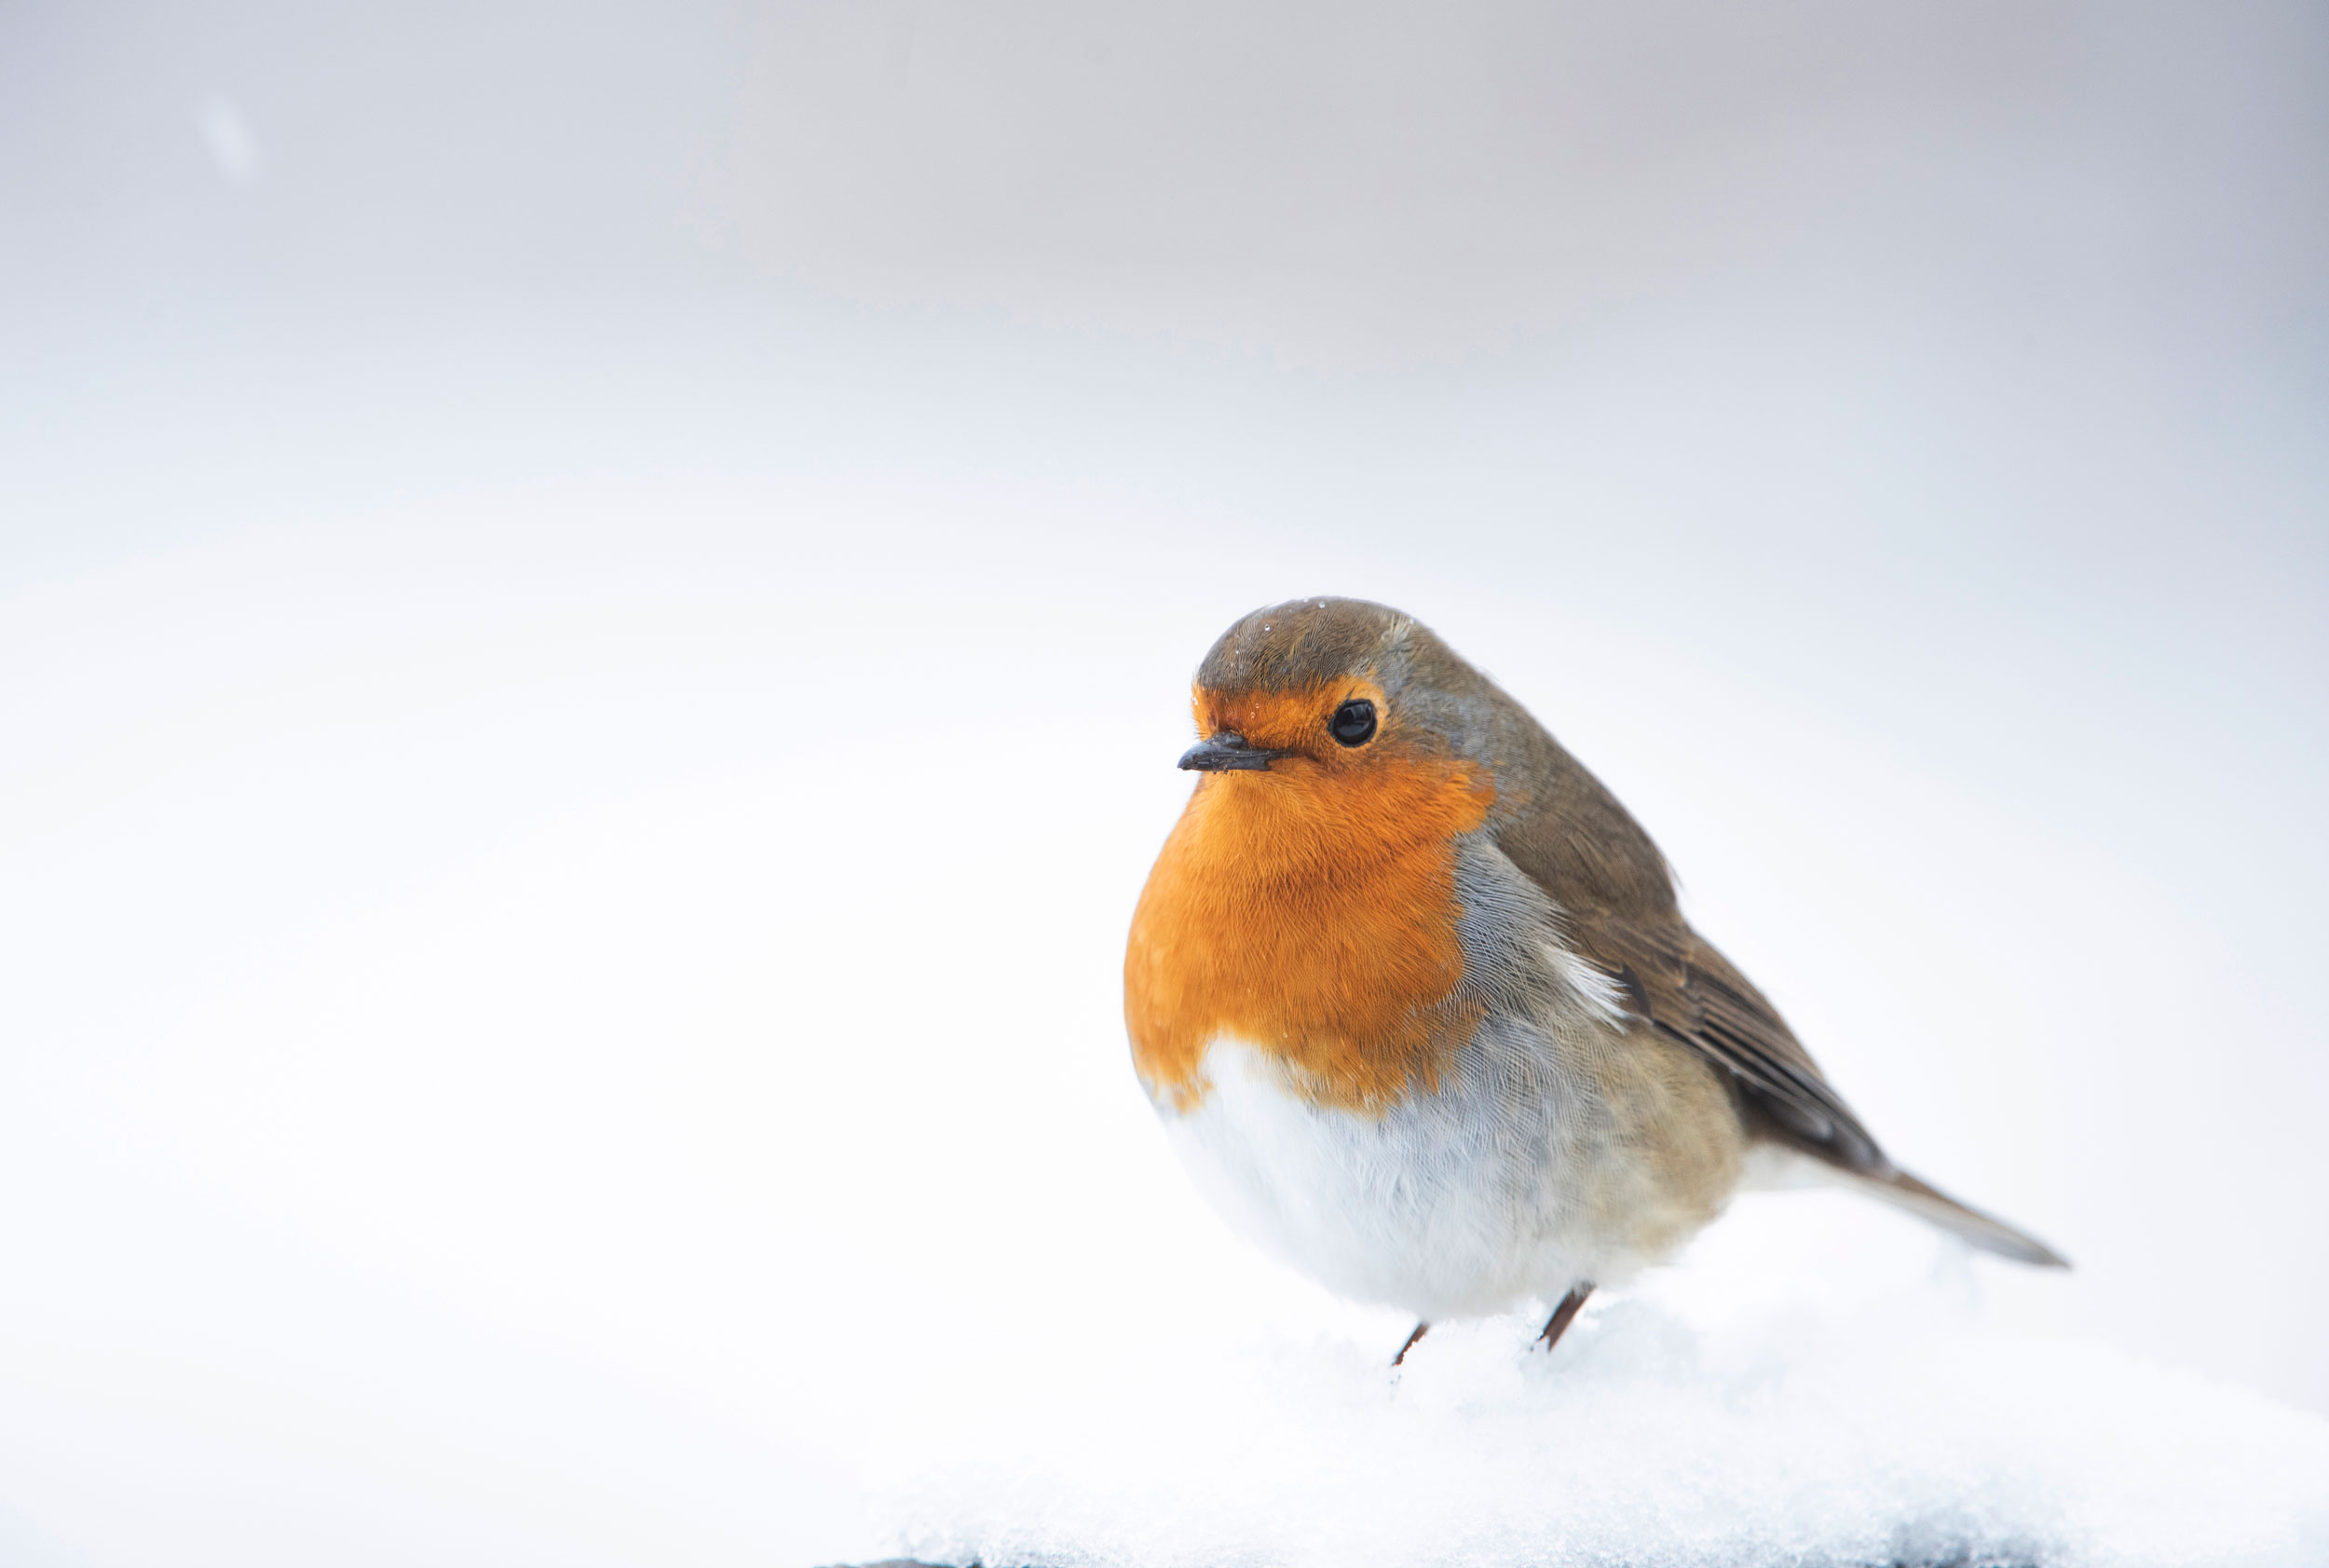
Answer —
1559 1323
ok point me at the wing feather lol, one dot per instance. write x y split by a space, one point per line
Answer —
1673 979
1569 835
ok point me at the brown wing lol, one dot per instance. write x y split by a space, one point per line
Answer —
1569 834
1569 837
1675 981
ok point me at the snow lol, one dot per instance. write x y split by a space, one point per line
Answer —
1882 1435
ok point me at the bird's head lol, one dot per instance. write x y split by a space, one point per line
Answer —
1345 716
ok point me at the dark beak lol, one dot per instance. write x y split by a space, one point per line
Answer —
1227 753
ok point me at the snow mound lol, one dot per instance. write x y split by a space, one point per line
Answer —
1883 1435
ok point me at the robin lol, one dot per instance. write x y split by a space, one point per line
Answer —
1412 996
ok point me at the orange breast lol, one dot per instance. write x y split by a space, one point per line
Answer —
1310 911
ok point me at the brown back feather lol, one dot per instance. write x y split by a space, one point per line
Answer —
1570 835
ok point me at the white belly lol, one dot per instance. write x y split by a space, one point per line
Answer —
1460 1203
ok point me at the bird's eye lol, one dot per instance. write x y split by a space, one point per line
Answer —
1354 722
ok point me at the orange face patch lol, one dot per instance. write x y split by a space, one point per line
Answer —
1308 911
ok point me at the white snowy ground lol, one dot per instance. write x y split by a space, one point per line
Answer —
1880 1425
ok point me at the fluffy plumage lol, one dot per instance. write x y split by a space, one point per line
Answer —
1423 1013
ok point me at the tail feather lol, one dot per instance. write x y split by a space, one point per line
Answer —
1986 1232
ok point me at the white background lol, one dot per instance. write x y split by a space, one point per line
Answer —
595 607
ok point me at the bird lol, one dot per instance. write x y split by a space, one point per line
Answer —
1414 999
